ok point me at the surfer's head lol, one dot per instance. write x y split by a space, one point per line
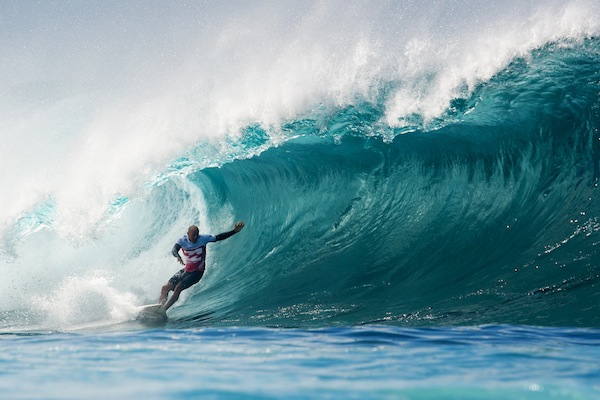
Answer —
193 233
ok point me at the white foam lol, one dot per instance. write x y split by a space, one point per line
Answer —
84 299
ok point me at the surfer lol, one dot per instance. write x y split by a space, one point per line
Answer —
193 246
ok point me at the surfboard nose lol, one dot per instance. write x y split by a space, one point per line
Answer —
152 314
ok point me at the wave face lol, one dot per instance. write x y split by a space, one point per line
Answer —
444 174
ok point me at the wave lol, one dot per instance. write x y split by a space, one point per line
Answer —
490 218
394 190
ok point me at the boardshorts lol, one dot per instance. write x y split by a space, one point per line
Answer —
186 279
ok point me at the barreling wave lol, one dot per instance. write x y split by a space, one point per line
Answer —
492 216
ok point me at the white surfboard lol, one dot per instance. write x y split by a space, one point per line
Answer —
152 314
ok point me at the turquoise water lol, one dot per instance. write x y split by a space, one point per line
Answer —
495 362
419 184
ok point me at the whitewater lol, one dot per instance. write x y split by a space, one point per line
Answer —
419 184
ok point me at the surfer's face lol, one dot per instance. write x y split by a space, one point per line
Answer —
192 234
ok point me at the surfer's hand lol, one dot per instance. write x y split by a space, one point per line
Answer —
180 260
238 226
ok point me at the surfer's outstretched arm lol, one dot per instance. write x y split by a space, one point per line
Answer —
236 228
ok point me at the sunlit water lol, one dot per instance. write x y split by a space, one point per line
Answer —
492 362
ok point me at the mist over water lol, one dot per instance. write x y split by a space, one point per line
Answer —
398 163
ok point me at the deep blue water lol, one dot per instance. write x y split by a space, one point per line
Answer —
495 362
419 184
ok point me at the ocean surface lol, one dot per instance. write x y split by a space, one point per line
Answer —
419 184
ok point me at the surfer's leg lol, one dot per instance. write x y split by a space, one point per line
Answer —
173 282
164 292
188 279
175 296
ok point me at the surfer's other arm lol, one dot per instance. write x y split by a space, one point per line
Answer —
175 252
